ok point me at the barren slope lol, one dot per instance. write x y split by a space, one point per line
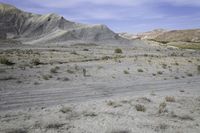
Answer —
50 28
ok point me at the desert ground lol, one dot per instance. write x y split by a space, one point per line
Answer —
81 88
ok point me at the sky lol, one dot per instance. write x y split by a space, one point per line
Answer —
121 15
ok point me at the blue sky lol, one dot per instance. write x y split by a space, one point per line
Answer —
121 15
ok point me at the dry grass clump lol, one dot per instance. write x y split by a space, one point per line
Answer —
164 66
106 58
18 130
120 131
198 69
5 61
118 51
66 110
186 117
46 77
160 72
170 98
35 61
189 74
54 70
126 72
140 107
140 70
55 125
162 107
113 104
89 114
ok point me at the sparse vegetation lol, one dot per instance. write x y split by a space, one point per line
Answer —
66 110
35 61
189 74
74 53
54 125
106 58
118 51
5 61
185 117
140 107
140 70
18 130
54 70
126 72
8 78
90 114
170 98
46 77
162 107
160 72
198 69
113 104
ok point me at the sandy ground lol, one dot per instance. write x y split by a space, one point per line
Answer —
144 89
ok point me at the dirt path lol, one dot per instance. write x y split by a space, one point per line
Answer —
42 97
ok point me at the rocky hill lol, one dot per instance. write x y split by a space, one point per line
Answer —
32 28
191 35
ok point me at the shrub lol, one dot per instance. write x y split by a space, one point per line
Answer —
186 117
140 107
126 72
113 104
198 69
159 72
46 77
164 66
118 51
106 58
20 130
54 125
190 74
140 70
5 61
162 107
35 61
66 109
54 70
170 99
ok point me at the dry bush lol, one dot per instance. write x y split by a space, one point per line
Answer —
35 61
160 72
19 130
198 69
170 98
120 131
162 107
118 50
189 74
46 77
113 104
186 117
140 70
54 125
66 109
54 70
126 72
89 114
5 61
140 107
106 58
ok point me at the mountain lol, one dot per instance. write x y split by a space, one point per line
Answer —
32 28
